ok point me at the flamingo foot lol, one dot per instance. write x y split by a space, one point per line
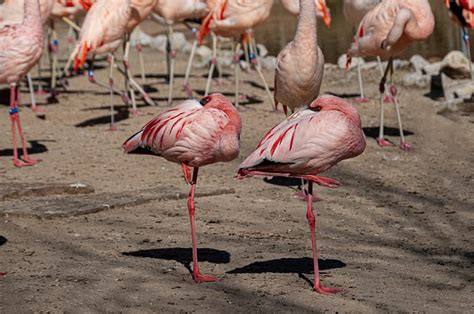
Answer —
323 181
243 97
323 290
125 99
2 274
198 278
64 82
303 197
26 162
136 113
39 111
149 100
405 146
41 92
387 99
113 128
383 142
361 100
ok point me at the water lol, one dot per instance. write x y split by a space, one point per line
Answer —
281 26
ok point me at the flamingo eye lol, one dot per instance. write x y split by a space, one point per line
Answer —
318 108
205 100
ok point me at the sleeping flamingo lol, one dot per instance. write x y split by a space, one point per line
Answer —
386 31
192 134
21 46
300 65
354 11
307 143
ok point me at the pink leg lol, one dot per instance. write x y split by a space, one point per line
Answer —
15 119
187 173
312 225
197 276
323 181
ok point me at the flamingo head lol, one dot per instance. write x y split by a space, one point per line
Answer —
330 103
324 11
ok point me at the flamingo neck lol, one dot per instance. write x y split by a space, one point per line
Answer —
306 30
32 14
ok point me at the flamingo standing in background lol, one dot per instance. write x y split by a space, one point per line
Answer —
103 31
173 11
322 11
307 143
21 46
300 65
354 11
385 31
192 134
232 19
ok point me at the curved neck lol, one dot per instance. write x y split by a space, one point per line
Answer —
306 29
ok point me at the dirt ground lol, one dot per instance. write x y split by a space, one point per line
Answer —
397 236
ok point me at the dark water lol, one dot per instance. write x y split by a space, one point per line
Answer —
281 26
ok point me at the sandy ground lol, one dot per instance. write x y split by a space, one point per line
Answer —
398 236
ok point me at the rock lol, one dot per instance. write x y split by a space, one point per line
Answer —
269 63
369 65
330 67
416 79
457 89
418 63
341 62
456 65
401 64
158 43
432 68
262 50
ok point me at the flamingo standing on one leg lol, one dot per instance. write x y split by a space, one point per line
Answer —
21 46
300 65
232 19
385 31
173 11
193 134
307 143
354 11
103 31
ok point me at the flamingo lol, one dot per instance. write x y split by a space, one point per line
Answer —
354 11
103 30
173 11
385 31
21 46
322 11
193 134
462 12
300 65
232 19
307 143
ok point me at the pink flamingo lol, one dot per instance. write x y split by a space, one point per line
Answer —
354 11
307 143
193 134
300 65
173 11
21 46
103 31
385 31
232 19
322 11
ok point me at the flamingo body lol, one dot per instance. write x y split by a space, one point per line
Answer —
355 10
178 10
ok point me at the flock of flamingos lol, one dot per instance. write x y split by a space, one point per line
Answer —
319 133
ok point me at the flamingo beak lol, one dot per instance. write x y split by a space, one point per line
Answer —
322 7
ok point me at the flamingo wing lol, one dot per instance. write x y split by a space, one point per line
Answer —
306 141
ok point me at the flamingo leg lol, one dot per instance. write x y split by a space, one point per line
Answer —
16 125
393 92
312 224
213 64
187 88
362 98
236 61
172 58
34 107
54 47
197 276
111 60
139 48
382 87
187 173
466 39
128 86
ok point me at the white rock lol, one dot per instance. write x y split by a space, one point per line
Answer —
269 63
418 63
341 62
456 65
159 43
401 64
432 68
262 50
416 79
370 65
